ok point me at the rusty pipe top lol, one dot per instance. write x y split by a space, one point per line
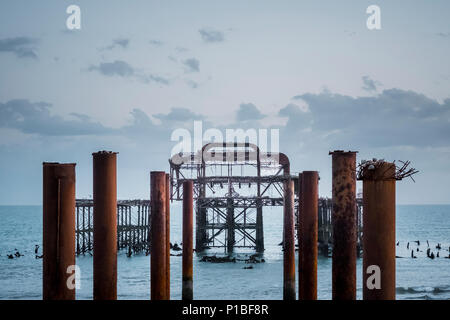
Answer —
284 162
58 164
342 152
104 152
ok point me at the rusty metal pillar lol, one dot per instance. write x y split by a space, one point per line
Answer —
299 238
58 230
259 208
188 242
379 232
288 242
308 235
105 225
158 276
168 236
78 230
259 226
344 225
230 226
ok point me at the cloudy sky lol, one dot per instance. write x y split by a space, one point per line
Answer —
138 70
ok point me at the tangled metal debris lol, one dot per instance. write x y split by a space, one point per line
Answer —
402 170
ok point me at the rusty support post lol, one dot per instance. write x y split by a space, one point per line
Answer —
344 225
230 226
168 236
89 229
299 231
259 227
58 230
117 230
120 210
149 225
188 242
289 242
105 225
84 232
138 230
78 230
308 235
379 232
139 227
158 275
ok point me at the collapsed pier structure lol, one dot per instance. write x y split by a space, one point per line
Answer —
233 182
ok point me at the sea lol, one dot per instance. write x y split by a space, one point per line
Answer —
419 278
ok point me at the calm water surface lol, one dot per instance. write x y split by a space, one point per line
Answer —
421 278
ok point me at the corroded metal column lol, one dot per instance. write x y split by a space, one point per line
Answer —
158 276
58 230
168 236
105 225
379 231
259 227
259 208
288 242
344 225
188 242
308 236
230 226
299 238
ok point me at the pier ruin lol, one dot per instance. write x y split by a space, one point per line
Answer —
233 182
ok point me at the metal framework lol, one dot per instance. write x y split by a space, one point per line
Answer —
232 184
133 225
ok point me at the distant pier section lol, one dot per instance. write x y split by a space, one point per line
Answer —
133 223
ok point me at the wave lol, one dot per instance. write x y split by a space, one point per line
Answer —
424 297
417 290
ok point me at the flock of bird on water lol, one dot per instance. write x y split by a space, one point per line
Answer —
175 247
430 254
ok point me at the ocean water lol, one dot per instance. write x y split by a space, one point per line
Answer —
421 278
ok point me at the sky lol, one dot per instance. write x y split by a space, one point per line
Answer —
138 70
